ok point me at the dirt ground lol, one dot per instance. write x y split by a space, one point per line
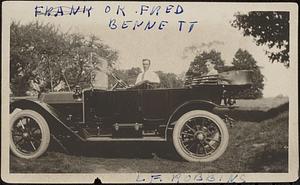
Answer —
253 147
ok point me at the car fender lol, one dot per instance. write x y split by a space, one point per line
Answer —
185 107
56 122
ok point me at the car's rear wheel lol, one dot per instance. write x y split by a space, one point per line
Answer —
29 134
200 136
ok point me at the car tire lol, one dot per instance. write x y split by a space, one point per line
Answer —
200 136
29 134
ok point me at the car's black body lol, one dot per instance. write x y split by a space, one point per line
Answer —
132 114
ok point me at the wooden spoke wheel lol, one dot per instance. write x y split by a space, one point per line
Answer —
29 134
200 136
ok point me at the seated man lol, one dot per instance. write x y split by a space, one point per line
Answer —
210 68
147 76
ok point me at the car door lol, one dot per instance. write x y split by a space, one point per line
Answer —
154 104
98 104
126 106
120 106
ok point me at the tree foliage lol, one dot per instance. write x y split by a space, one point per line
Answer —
38 49
269 28
197 67
244 60
169 80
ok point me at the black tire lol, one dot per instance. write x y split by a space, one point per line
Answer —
200 136
29 134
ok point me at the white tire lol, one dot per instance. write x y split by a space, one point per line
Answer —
29 134
200 136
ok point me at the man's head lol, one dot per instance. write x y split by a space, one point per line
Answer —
146 64
210 64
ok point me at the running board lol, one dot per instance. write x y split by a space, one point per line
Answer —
125 139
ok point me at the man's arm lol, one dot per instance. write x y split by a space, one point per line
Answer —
155 78
138 79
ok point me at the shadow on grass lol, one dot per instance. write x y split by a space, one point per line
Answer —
103 157
137 150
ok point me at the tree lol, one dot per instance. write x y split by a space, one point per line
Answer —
169 80
269 28
243 60
32 47
197 67
38 49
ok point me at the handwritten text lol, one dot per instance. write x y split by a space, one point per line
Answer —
62 10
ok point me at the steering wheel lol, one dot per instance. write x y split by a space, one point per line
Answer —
119 82
149 85
145 85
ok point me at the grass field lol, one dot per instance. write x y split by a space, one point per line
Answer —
260 146
263 104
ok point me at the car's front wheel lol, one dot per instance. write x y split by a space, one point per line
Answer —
200 136
29 134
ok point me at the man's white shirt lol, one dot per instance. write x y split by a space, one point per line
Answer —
148 75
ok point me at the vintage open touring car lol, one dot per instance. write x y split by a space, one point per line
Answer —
185 117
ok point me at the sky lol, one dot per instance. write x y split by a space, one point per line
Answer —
167 48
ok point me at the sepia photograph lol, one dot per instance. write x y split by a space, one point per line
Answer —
149 92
